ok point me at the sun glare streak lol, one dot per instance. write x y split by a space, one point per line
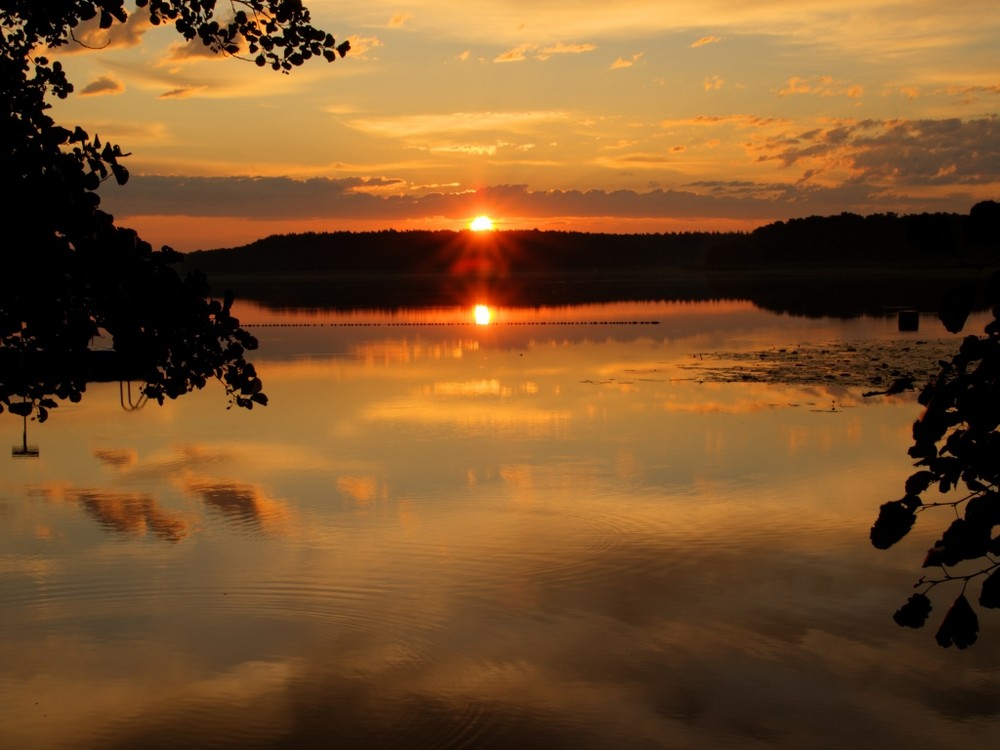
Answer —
482 315
481 224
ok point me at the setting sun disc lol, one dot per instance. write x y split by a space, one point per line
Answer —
481 224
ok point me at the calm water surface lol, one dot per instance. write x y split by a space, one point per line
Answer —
545 532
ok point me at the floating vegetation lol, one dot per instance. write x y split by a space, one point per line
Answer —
881 366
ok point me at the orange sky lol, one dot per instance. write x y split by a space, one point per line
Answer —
619 115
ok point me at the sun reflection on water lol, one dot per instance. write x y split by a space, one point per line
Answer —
482 315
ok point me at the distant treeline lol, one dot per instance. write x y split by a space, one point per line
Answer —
880 239
840 266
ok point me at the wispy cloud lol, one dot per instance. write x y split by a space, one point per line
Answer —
458 122
515 54
705 40
182 53
524 51
362 45
399 20
564 49
184 92
89 35
102 86
623 62
820 86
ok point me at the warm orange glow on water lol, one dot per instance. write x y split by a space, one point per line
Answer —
414 474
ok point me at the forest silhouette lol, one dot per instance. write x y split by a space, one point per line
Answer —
839 266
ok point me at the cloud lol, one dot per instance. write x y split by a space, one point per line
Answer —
102 86
820 86
972 94
90 36
182 93
713 83
622 62
705 40
515 54
858 165
361 45
287 199
452 123
564 49
910 92
523 51
398 20
180 53
795 85
896 154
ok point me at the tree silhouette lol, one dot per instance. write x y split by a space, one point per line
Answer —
71 273
956 444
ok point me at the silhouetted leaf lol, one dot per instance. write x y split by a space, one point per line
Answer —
21 408
895 519
914 613
989 595
919 482
960 541
984 510
960 625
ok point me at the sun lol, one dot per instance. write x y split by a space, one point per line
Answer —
481 224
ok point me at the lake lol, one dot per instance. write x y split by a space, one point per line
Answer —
569 528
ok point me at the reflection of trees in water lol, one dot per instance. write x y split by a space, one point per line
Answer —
833 293
956 444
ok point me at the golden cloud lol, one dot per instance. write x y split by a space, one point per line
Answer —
90 36
360 46
522 51
821 86
565 49
705 40
515 54
622 62
458 122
